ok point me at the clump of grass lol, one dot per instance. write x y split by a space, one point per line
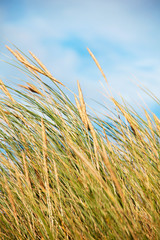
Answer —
62 177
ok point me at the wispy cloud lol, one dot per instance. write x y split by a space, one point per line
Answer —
124 36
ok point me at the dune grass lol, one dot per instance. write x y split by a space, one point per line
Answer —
66 174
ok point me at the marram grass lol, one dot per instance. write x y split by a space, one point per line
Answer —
65 174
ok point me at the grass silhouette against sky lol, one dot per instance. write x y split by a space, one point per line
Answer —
123 35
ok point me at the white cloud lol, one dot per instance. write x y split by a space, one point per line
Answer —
124 36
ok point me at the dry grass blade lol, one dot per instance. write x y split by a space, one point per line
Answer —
11 199
47 73
26 61
87 123
14 54
26 170
82 103
41 64
96 145
5 90
46 176
32 88
82 115
58 187
98 65
92 170
32 67
113 176
4 116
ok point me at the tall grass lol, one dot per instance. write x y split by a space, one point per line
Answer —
66 174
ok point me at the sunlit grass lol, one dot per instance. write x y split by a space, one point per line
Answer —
66 174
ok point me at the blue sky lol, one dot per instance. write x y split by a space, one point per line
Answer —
124 35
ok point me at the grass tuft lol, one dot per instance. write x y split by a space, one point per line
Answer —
66 174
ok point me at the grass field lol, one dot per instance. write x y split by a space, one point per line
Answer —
65 173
